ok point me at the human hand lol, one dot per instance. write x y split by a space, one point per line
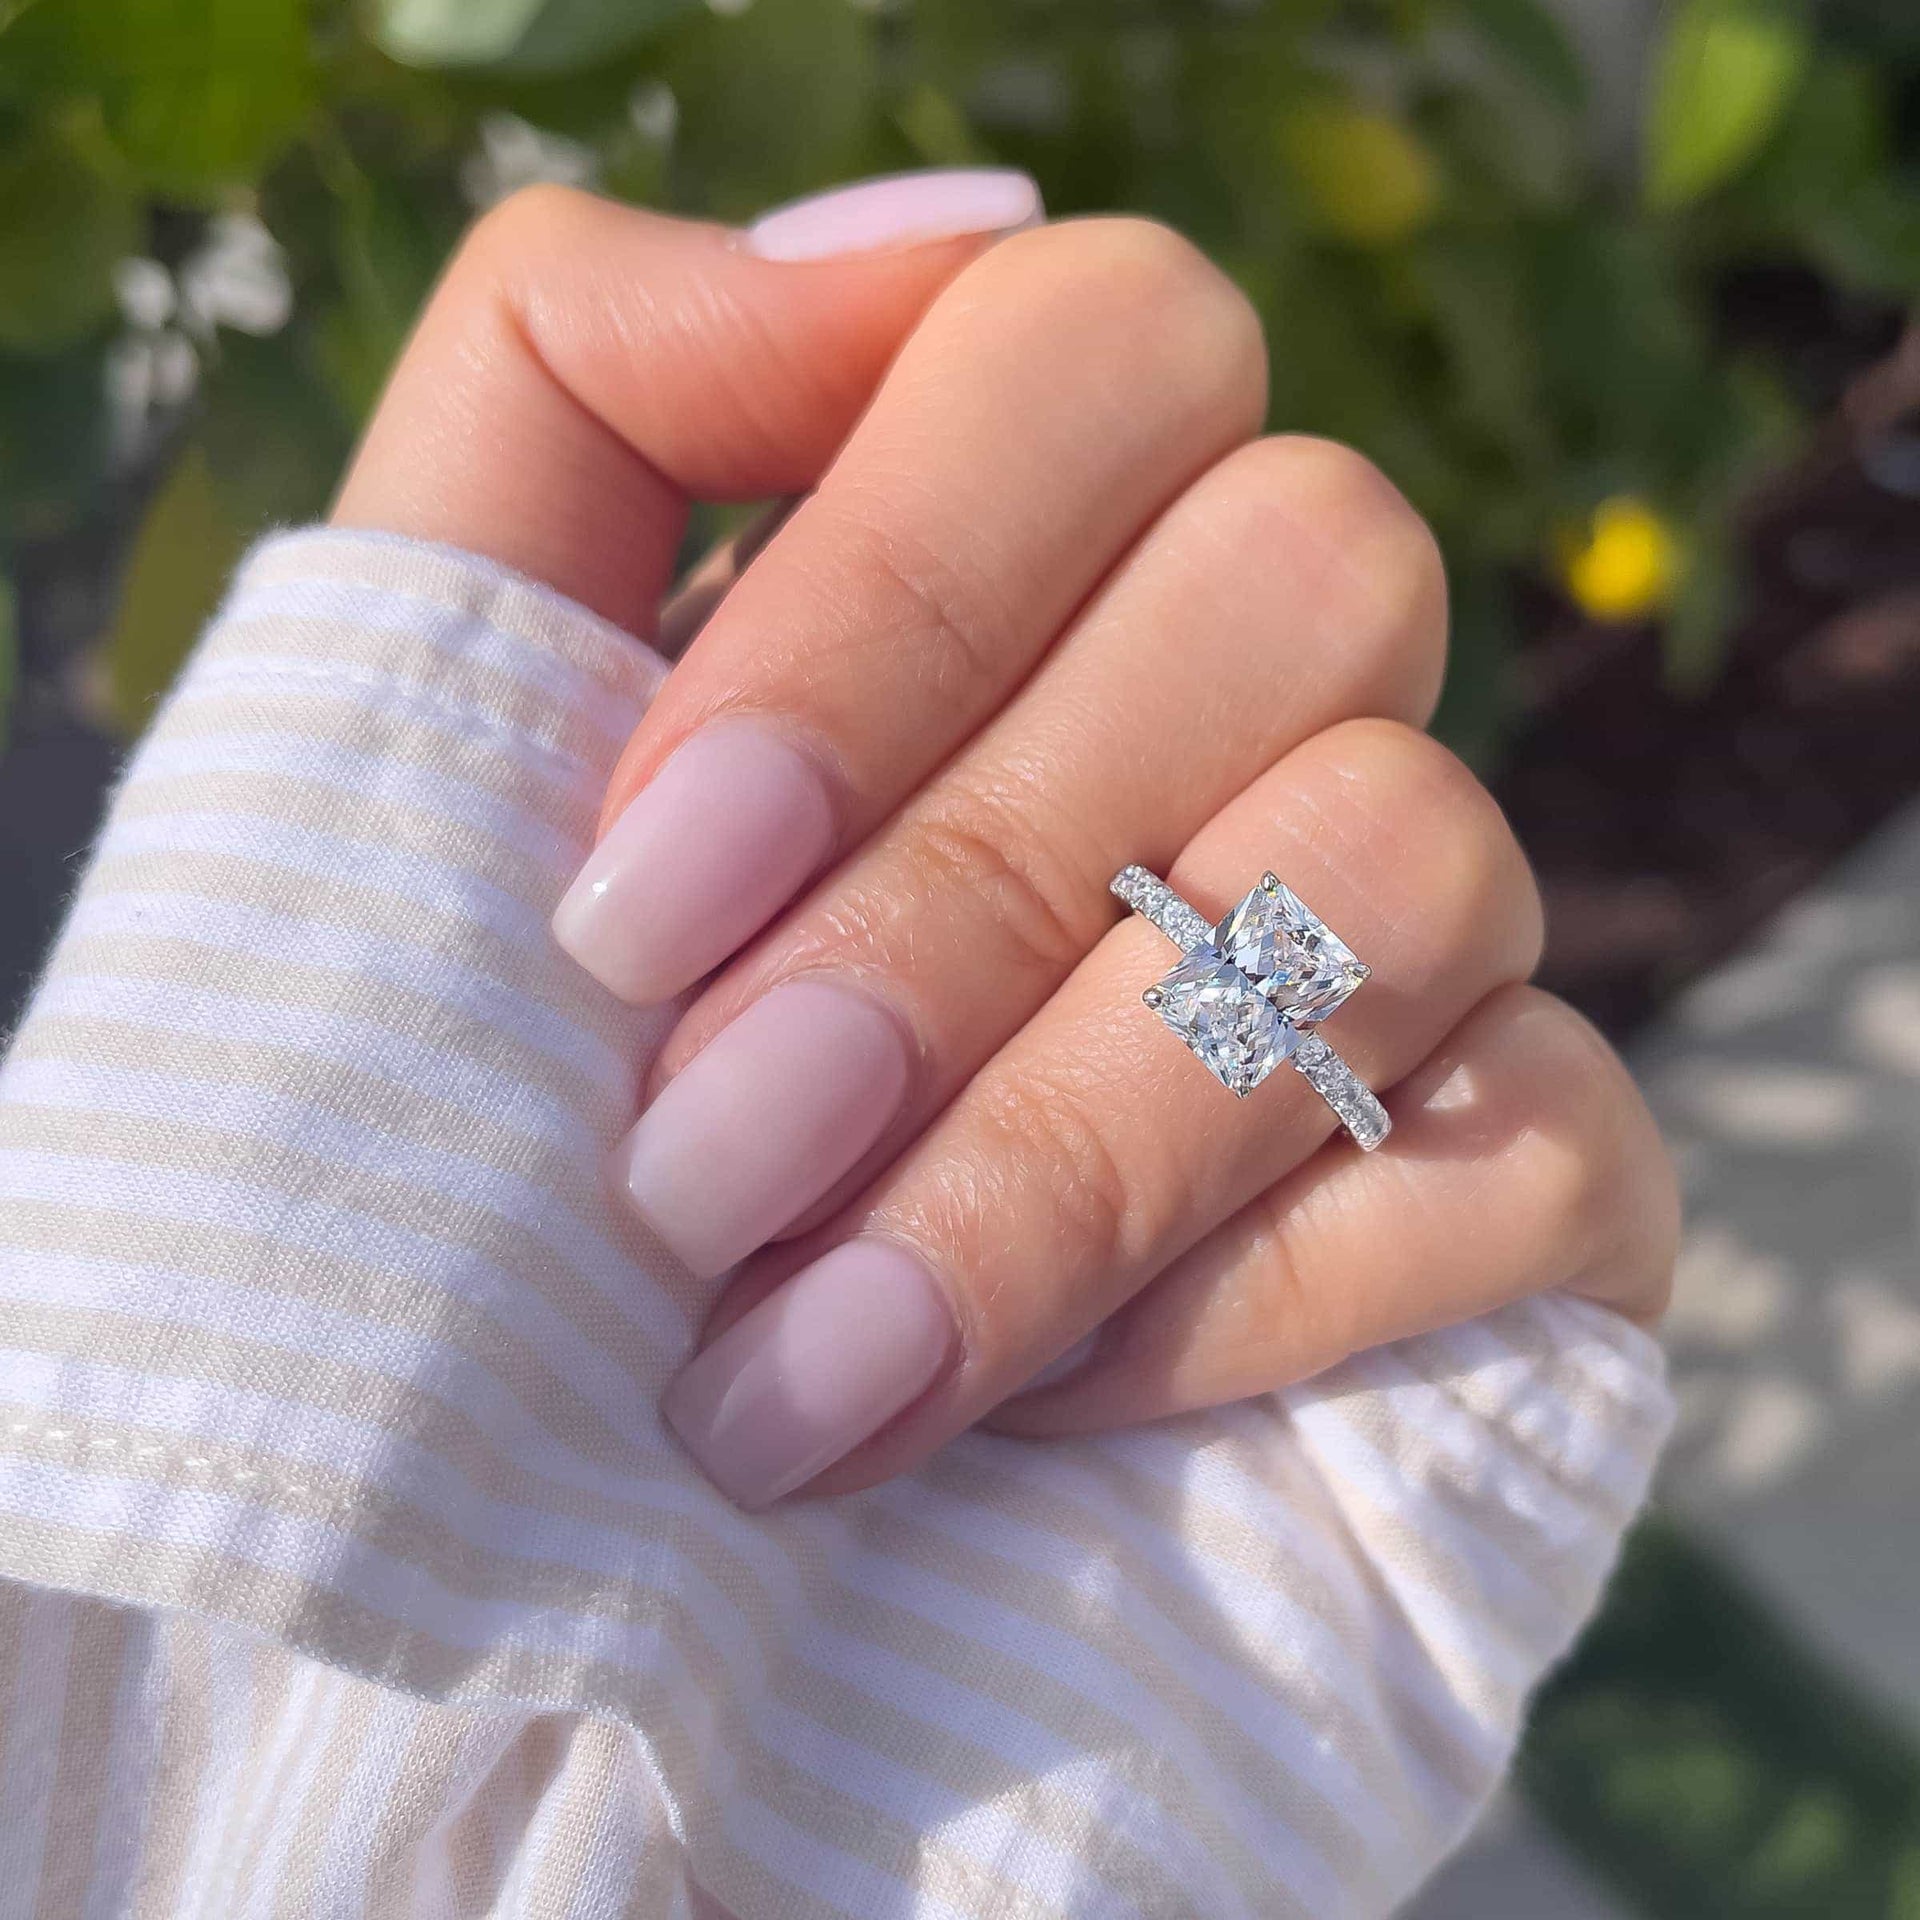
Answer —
1048 608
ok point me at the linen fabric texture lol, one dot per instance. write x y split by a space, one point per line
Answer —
345 1566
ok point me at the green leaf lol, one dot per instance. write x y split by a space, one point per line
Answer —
1477 701
387 255
1335 369
198 94
274 445
936 128
52 440
1532 41
1623 356
1721 78
1691 1729
65 222
1699 624
1476 297
570 34
1828 183
773 101
186 547
528 36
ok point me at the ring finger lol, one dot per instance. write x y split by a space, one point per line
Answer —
1093 1149
1353 1251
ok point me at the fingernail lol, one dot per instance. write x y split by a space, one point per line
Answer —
812 1371
763 1121
707 852
900 209
1065 1365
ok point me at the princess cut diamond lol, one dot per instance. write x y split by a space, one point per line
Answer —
1292 955
1232 1027
1244 993
1248 992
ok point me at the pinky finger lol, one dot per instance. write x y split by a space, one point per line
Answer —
1522 1159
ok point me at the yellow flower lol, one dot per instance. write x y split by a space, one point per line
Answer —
1366 177
1626 564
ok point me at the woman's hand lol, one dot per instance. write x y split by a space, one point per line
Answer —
1049 608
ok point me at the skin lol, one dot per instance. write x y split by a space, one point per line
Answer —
1050 605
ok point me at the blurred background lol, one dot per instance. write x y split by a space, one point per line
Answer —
1621 293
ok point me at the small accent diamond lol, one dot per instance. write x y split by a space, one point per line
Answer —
1350 1097
1151 897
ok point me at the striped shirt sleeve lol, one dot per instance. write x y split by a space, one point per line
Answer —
345 1566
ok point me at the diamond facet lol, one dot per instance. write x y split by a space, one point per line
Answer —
1224 1017
1289 952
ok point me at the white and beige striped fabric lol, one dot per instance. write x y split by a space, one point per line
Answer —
345 1567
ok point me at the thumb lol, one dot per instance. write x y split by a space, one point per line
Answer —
585 369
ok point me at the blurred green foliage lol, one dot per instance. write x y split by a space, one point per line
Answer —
1710 1767
1463 269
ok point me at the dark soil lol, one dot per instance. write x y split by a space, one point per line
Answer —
1665 829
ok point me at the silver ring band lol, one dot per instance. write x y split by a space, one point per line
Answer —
1285 1018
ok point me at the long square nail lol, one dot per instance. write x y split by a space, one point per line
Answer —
764 1120
710 849
817 1367
897 210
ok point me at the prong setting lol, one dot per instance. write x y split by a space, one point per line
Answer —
1248 994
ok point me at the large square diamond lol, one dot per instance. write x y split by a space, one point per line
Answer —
1225 1018
1296 960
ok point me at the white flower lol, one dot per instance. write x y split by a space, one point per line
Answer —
514 153
145 291
236 277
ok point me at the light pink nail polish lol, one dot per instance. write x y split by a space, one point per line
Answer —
812 1371
707 852
901 209
1063 1366
763 1120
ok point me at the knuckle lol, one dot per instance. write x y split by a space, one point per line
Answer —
1165 272
1306 1325
1161 288
1289 497
926 605
1425 802
1393 557
1045 1126
526 221
1040 917
1408 775
1611 1191
1198 311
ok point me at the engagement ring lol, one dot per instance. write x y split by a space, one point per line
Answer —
1248 992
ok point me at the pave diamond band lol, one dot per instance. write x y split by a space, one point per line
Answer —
1151 898
1343 1090
1247 994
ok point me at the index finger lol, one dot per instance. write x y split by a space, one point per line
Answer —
1056 398
585 369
